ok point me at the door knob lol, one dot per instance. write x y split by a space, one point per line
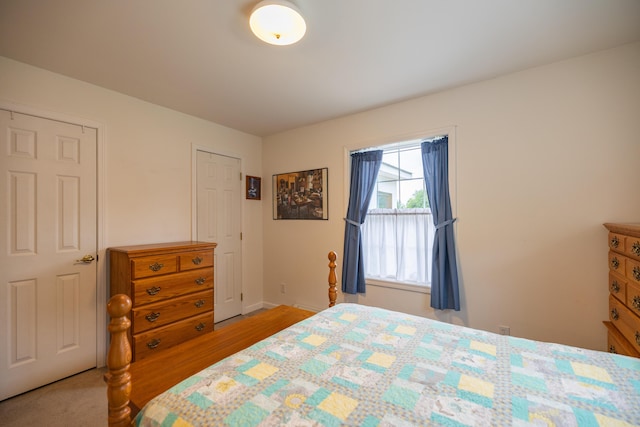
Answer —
86 259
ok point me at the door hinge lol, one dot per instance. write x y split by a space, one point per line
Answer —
240 176
241 296
241 235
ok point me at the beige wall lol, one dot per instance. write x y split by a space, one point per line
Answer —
544 157
148 161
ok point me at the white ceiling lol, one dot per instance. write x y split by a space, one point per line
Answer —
199 56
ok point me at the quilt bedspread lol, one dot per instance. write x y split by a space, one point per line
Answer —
357 365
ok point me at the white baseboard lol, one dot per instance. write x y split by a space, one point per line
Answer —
308 307
254 307
266 304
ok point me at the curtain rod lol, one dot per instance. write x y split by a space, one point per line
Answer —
395 212
401 145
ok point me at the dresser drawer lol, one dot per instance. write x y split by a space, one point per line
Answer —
625 321
614 345
633 298
156 289
193 260
617 242
617 262
618 286
156 315
632 247
156 340
618 346
633 270
153 266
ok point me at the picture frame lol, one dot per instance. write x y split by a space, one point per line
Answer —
253 187
301 195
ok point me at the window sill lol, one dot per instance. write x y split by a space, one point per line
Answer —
400 286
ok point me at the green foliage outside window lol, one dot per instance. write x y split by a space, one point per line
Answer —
419 199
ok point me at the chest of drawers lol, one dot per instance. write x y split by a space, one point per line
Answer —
171 290
624 289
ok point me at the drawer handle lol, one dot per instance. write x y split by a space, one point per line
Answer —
615 242
200 326
152 317
199 303
612 349
635 302
197 260
615 263
200 281
614 314
635 248
154 291
615 286
636 273
153 343
156 266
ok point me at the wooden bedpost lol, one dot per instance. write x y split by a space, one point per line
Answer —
118 378
332 279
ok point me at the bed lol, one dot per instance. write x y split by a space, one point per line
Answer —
357 365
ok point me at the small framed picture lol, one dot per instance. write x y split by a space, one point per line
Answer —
254 188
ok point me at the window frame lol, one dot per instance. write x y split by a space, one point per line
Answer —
398 141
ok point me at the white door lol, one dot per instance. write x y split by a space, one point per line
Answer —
219 190
48 222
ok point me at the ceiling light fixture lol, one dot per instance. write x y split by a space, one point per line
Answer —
277 22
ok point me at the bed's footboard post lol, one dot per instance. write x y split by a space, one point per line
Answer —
118 378
333 294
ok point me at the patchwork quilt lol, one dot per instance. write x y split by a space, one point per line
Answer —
363 366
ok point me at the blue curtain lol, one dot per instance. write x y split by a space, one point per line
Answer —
444 273
364 171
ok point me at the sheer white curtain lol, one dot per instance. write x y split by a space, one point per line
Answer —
398 245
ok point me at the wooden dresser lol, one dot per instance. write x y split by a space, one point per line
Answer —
171 289
624 289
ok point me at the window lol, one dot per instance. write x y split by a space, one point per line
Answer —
397 235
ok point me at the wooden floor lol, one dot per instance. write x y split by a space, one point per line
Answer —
151 377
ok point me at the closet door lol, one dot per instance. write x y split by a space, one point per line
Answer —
219 192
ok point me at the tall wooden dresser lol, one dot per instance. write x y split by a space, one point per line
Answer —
624 289
171 290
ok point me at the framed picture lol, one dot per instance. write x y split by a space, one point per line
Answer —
254 187
301 195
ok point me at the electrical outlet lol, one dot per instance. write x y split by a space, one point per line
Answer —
504 330
283 288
